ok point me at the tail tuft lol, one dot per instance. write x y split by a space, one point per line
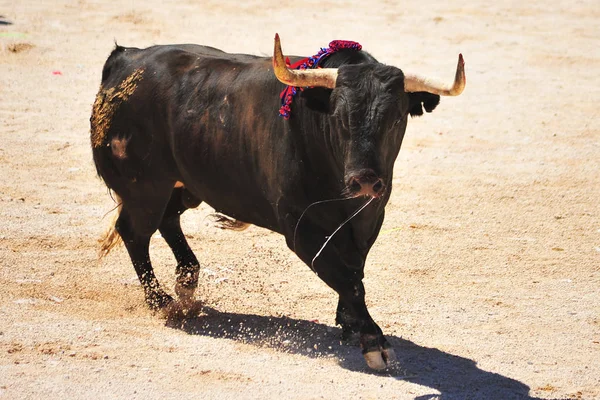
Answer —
224 222
111 237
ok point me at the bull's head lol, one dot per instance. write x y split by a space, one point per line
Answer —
368 107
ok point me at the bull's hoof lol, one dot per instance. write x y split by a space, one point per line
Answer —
378 353
158 300
380 359
185 286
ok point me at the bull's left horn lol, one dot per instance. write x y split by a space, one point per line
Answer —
322 77
417 84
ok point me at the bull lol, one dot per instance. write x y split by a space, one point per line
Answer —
176 125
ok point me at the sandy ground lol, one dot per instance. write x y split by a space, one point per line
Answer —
486 277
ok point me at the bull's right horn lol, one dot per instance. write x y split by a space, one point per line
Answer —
322 77
414 83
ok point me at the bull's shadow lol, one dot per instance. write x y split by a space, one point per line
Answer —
4 21
454 377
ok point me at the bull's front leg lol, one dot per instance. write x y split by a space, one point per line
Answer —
353 316
345 318
340 265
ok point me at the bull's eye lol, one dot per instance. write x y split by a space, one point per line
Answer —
342 125
343 122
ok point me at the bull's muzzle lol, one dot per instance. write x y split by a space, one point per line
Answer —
364 183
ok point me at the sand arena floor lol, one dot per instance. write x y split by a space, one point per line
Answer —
485 277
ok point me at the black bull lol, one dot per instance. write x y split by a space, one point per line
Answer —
173 126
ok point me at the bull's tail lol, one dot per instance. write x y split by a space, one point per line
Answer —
111 237
224 222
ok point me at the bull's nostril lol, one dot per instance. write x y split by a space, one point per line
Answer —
378 186
355 185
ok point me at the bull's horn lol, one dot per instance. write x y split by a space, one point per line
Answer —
322 77
416 84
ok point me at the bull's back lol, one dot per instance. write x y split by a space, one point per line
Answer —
186 113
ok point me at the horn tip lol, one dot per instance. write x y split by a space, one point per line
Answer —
461 60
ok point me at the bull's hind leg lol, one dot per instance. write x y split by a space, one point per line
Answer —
140 217
170 229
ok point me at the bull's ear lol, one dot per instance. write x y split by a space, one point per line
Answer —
317 99
420 100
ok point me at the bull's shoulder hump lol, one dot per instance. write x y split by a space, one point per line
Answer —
205 52
176 60
191 53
